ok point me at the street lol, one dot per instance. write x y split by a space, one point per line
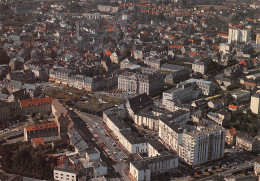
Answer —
114 156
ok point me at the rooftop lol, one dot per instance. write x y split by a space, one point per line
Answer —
36 102
41 126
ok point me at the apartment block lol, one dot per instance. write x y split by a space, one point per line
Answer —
144 170
202 145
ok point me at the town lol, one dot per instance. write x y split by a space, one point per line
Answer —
136 90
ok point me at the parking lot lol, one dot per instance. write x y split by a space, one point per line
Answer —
101 137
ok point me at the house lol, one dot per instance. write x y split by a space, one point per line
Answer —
241 96
199 66
231 136
40 105
114 58
246 142
140 82
92 155
40 130
63 174
216 104
37 142
207 87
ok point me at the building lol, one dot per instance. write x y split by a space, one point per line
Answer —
153 62
207 87
40 130
138 103
257 166
202 145
258 38
155 148
170 133
60 75
40 105
62 174
183 92
139 83
246 142
26 76
238 35
241 95
199 66
132 142
231 136
255 103
114 58
144 170
92 155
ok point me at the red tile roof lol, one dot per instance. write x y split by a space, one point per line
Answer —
232 106
38 141
41 126
35 102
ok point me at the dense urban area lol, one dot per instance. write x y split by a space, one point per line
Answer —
122 90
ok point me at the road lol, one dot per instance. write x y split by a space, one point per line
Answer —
95 123
237 168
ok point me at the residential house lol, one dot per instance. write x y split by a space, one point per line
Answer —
39 105
199 66
246 142
231 136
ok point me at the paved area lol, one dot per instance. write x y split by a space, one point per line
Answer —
103 139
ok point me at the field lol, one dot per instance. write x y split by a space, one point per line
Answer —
83 101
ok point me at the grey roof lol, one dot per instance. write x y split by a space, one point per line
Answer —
157 145
140 102
144 163
175 127
118 122
245 136
132 137
65 170
172 67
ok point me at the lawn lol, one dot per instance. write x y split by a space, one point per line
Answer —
84 101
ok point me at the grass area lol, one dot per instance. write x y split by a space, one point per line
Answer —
84 101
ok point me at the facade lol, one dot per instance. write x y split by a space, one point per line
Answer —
238 36
231 136
201 146
153 62
258 38
40 105
114 58
147 119
207 87
61 174
241 95
246 142
92 155
199 66
171 134
143 170
139 83
41 130
255 103
60 75
182 92
132 142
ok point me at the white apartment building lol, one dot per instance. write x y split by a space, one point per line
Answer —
144 169
61 174
199 66
202 145
184 91
147 119
255 104
238 35
133 143
206 86
170 133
